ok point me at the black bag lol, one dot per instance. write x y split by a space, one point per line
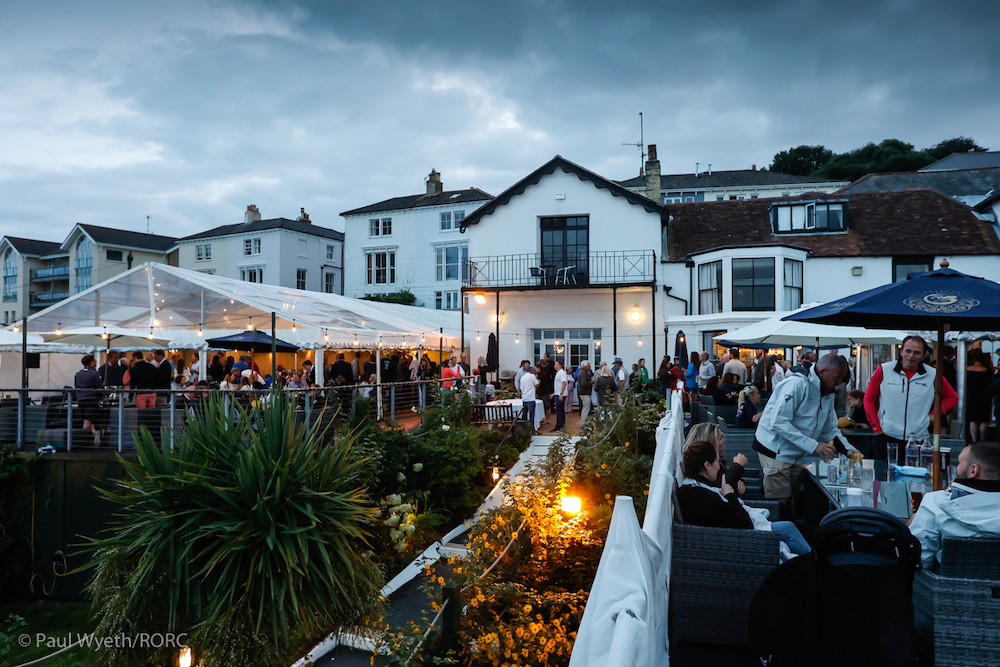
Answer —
847 602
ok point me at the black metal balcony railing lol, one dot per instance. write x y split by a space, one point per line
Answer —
534 270
50 273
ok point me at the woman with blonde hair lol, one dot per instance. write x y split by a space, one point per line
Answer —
746 411
706 432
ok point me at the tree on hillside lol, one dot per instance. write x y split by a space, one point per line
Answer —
892 155
800 161
956 145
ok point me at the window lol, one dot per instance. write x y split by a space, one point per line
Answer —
566 245
330 283
380 227
373 227
810 217
252 274
572 346
10 262
381 267
84 264
330 251
203 252
458 217
445 220
451 261
115 256
251 246
753 284
904 265
447 300
710 288
300 279
793 284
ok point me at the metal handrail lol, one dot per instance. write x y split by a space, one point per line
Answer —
612 267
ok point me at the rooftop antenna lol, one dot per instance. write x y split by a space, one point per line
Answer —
641 146
147 224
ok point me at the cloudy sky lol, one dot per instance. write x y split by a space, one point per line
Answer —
187 111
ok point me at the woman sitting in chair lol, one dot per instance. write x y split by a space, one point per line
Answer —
707 499
720 397
713 434
746 412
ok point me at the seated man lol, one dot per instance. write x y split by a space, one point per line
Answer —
970 508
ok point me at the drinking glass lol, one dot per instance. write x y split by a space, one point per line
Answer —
867 479
892 454
833 472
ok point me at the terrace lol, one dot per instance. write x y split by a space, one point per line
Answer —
561 270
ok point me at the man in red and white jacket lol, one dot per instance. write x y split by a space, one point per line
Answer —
900 398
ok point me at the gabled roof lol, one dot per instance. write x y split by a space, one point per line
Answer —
879 224
724 179
979 160
34 247
422 201
564 165
956 183
265 225
123 238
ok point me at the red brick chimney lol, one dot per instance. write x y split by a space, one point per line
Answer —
304 217
653 175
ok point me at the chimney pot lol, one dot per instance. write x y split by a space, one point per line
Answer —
753 167
252 214
303 216
697 170
709 168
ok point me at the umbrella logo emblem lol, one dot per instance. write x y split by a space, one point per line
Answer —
941 302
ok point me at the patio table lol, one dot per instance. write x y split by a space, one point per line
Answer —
518 404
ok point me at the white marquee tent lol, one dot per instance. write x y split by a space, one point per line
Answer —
178 304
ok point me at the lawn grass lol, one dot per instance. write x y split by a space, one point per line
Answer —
57 619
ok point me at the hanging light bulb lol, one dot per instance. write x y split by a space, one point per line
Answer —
477 336
597 343
496 473
150 334
640 340
59 329
517 339
15 329
199 331
104 335
326 335
250 324
293 326
355 340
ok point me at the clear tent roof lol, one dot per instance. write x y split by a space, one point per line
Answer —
173 302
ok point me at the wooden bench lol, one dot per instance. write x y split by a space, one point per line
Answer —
494 414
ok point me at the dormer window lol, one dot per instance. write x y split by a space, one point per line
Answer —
809 217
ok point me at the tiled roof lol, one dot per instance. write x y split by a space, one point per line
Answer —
958 183
424 200
34 247
978 160
128 239
264 225
723 179
561 163
914 222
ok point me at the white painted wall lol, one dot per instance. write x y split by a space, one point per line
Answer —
415 235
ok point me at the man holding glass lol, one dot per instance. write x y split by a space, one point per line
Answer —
900 398
799 421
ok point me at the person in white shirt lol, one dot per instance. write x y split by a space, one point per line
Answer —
561 387
706 371
620 379
735 366
525 365
527 385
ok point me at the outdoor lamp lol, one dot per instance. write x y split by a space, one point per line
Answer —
597 343
496 473
477 336
636 315
497 318
517 340
570 505
681 339
480 298
185 659
59 329
640 340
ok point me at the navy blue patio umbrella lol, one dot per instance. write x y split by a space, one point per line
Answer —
944 299
251 341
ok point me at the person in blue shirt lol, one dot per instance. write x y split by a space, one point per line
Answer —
691 374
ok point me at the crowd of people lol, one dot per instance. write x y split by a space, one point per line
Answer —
800 422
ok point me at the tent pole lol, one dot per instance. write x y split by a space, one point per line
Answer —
378 376
936 465
22 402
274 349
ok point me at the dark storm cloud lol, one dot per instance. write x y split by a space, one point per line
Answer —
188 112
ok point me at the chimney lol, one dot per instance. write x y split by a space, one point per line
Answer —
753 167
434 185
653 175
303 216
252 214
697 170
709 168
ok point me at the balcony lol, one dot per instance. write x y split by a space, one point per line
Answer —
618 268
43 299
50 273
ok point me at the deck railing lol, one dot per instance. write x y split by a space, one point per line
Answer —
564 271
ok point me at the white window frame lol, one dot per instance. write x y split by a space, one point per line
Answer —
301 278
445 221
251 246
256 271
330 282
441 261
203 252
388 266
330 251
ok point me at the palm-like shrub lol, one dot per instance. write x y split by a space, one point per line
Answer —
250 536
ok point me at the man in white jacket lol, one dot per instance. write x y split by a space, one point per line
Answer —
799 421
970 508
